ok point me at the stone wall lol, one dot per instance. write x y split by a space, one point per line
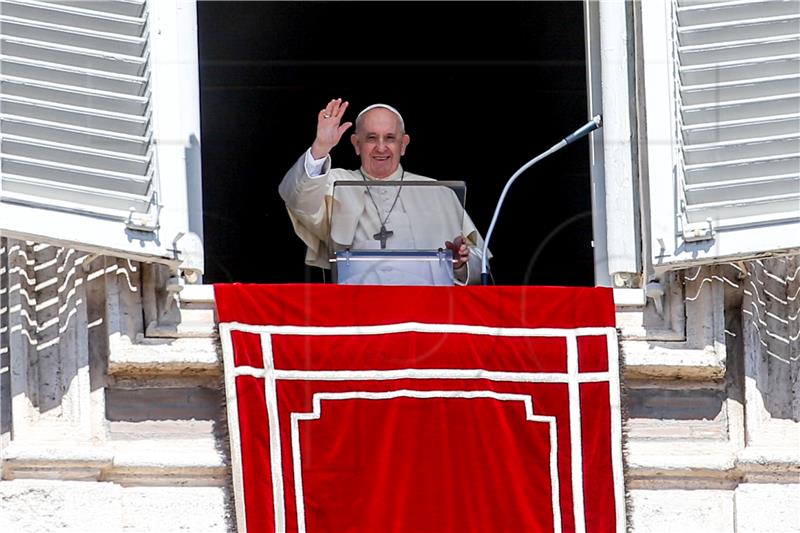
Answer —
713 432
112 415
106 427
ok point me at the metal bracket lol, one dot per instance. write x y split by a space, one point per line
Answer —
655 291
698 231
142 221
174 286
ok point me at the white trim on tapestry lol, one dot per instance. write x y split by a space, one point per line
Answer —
406 393
251 371
275 457
576 447
232 405
418 327
435 373
420 373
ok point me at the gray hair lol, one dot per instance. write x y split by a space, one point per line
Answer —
360 117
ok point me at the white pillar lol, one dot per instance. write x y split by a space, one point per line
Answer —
622 220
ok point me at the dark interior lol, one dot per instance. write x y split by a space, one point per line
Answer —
483 87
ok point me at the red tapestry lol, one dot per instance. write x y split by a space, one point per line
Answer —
423 409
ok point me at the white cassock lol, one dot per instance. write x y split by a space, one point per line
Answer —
423 218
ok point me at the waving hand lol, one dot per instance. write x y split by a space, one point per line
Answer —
329 128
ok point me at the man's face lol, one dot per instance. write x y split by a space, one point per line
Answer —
380 142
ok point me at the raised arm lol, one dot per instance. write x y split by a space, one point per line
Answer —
300 188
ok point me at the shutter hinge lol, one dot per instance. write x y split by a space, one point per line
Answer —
143 221
150 221
698 231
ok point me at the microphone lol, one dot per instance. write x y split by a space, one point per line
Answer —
596 122
586 129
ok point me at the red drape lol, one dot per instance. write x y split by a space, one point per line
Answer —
423 409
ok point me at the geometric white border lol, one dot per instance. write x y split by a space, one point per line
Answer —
573 378
316 413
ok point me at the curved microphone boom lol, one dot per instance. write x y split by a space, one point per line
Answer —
596 122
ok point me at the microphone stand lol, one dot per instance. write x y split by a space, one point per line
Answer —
596 122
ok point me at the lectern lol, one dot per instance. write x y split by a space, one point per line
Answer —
402 232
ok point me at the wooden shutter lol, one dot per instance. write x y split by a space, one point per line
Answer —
76 118
734 166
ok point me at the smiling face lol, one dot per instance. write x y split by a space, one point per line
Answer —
379 141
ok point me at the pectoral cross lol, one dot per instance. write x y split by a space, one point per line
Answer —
382 235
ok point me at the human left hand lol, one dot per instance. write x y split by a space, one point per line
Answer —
460 250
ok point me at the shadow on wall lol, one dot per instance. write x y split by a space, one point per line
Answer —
48 308
5 356
771 333
54 332
194 185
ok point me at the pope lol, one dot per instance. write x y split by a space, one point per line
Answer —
382 217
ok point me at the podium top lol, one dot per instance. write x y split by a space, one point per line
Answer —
397 215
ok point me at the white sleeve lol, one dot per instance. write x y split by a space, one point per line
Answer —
304 193
314 166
